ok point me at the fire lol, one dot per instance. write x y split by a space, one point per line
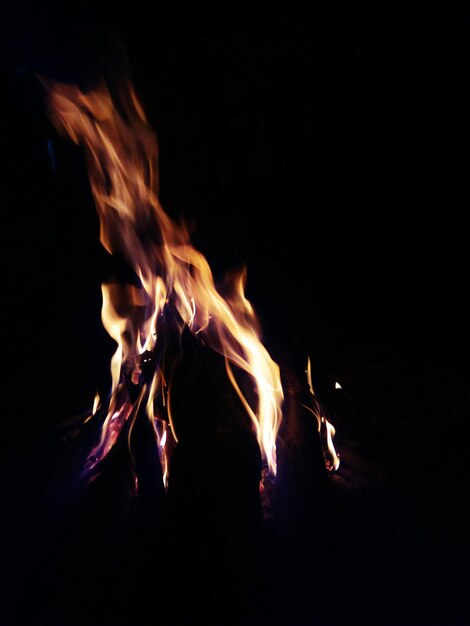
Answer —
174 286
325 429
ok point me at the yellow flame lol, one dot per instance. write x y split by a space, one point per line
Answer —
96 403
332 458
96 406
122 158
324 427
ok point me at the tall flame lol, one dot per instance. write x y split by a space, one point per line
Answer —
122 157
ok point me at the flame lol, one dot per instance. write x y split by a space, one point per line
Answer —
94 410
96 403
325 428
173 279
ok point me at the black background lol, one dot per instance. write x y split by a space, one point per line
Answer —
326 147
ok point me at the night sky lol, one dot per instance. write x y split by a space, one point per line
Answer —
327 149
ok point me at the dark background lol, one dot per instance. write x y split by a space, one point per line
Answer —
326 147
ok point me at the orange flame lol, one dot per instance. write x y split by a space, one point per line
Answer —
122 158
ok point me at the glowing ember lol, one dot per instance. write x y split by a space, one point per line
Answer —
174 283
